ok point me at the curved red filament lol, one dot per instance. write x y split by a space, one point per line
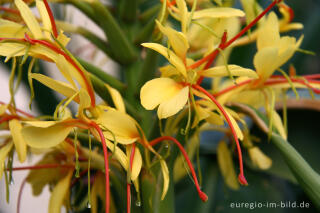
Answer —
53 23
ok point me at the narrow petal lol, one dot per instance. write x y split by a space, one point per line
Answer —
277 122
218 12
137 162
29 19
235 70
183 13
169 55
173 105
116 98
59 194
259 159
3 154
19 142
44 18
165 173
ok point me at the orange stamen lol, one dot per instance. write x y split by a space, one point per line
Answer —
8 118
53 23
202 195
241 177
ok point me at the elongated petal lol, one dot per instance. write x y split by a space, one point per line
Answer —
218 12
116 98
269 33
277 122
61 87
44 18
235 125
19 142
10 29
158 90
173 105
136 164
3 154
118 125
12 49
235 70
29 19
226 166
169 55
183 13
165 173
177 40
85 101
259 159
45 137
59 194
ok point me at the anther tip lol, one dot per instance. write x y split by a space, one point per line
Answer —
242 180
203 196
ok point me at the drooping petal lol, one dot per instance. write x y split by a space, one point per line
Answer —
177 40
259 159
59 194
169 55
48 136
3 153
19 142
29 19
183 13
277 122
173 105
235 125
118 125
158 90
218 12
235 70
165 173
137 162
116 98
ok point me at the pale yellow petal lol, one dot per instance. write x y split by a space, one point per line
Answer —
264 61
268 34
168 71
19 142
29 18
173 105
221 71
46 23
3 154
158 90
169 55
59 194
277 123
10 29
183 13
120 125
12 49
177 40
259 159
136 164
116 98
218 12
61 87
165 173
235 125
85 101
47 137
226 166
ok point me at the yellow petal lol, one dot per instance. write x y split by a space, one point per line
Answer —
3 154
46 23
169 55
136 164
45 137
85 101
158 90
173 105
218 12
3 109
183 13
259 159
19 142
29 18
235 125
277 122
264 62
168 70
116 98
10 29
177 40
12 49
214 118
61 87
268 34
226 166
235 70
120 125
165 173
59 194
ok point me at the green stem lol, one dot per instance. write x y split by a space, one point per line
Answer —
128 10
149 67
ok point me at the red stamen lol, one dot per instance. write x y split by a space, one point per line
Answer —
202 195
53 23
43 166
227 44
106 163
10 10
20 194
8 118
280 81
133 150
69 59
234 86
241 177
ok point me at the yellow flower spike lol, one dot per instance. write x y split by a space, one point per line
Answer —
59 194
177 40
116 98
221 71
18 140
137 162
165 92
259 159
59 86
169 55
45 134
29 19
218 12
226 166
120 125
3 154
